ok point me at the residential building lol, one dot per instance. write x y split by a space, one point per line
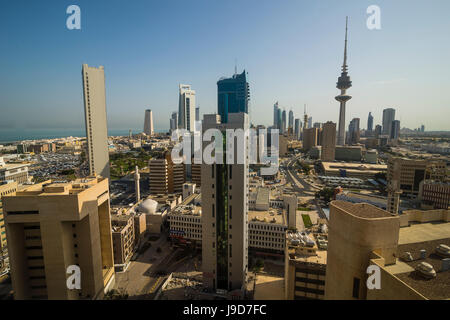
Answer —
310 138
123 238
7 189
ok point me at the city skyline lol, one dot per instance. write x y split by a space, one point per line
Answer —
384 78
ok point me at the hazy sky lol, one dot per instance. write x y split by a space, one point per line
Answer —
292 51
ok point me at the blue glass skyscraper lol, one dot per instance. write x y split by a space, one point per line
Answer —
233 95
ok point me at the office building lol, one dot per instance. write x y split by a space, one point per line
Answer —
305 267
328 141
388 118
283 122
310 138
310 122
297 128
291 119
95 120
395 130
17 172
406 174
225 210
343 84
186 108
51 226
165 176
435 194
275 115
353 131
233 95
148 122
197 114
174 121
370 122
378 131
422 128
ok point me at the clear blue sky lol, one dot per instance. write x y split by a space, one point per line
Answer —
292 51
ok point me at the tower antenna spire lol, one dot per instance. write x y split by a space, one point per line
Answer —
344 65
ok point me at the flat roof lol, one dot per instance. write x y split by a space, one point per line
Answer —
435 288
353 166
269 215
362 210
420 232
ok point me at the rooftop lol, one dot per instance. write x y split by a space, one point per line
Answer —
277 216
362 210
63 188
354 166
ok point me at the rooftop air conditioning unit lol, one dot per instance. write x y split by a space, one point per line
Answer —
407 256
443 251
426 270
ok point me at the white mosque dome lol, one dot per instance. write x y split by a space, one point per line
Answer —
148 206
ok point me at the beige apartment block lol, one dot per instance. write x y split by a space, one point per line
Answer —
123 238
95 120
310 138
355 231
51 226
328 141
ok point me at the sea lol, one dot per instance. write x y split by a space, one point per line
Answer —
13 135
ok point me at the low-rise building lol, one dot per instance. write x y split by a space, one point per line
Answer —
123 239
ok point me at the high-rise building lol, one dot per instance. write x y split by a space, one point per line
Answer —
353 131
186 108
305 119
310 123
388 117
370 122
224 210
378 131
233 95
95 120
283 122
422 128
165 176
280 122
275 115
395 130
197 114
310 138
343 84
297 129
291 119
328 141
148 122
53 226
174 121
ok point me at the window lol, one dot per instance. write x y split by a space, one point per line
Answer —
356 288
231 212
212 171
230 251
231 172
213 210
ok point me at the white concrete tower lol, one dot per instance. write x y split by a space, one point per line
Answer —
148 122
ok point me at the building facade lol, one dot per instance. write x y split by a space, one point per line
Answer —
51 226
95 120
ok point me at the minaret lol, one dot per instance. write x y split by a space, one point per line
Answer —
137 188
343 84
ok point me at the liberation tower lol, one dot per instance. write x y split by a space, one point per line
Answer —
343 84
